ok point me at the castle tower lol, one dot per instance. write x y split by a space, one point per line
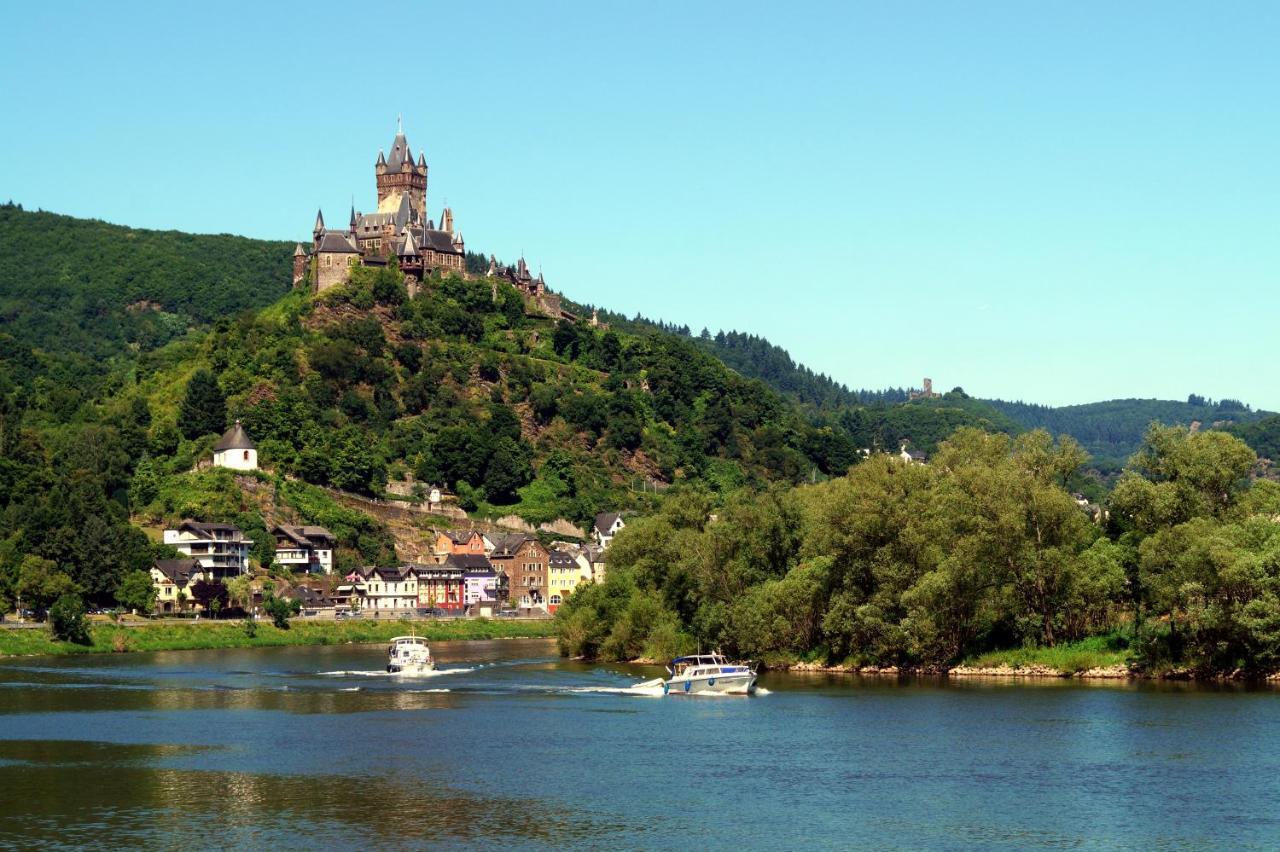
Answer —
319 228
299 264
397 175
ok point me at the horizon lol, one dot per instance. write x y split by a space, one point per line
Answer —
1063 206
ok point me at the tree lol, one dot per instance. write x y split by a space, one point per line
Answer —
67 621
508 470
204 408
207 592
280 609
40 583
240 591
136 592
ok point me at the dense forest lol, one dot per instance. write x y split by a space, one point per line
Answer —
1113 431
1110 431
983 548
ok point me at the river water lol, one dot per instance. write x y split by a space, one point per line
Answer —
509 745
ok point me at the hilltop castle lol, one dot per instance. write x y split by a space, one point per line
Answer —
400 230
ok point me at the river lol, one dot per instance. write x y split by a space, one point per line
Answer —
509 745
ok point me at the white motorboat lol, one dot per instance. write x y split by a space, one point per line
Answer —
705 673
409 655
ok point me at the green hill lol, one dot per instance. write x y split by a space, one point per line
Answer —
1262 435
125 352
1112 431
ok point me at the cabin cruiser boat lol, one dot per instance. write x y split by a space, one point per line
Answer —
409 655
705 673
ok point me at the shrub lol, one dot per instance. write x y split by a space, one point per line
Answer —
66 618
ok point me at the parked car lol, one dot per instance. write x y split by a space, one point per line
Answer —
347 613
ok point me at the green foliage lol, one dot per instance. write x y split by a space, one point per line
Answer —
280 610
204 408
136 592
67 620
1112 431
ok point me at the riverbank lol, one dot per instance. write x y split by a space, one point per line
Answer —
112 638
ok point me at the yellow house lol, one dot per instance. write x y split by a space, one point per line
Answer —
564 574
173 579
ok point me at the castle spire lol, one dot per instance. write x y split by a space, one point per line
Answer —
319 223
353 214
399 124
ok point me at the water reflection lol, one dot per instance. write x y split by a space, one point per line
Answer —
114 798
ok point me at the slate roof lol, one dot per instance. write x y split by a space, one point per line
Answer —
234 438
561 558
332 241
399 153
210 529
303 536
441 241
605 520
469 562
507 545
460 536
178 571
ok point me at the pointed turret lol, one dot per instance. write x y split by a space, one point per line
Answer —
493 266
353 217
299 251
319 228
404 212
446 220
458 245
409 248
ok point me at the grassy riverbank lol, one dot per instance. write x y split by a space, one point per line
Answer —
1096 652
109 638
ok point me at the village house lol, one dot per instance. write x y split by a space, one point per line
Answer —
305 548
564 574
380 589
441 586
222 549
607 525
173 579
912 456
235 450
459 542
482 585
524 560
590 558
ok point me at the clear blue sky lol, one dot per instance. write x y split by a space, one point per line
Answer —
1057 202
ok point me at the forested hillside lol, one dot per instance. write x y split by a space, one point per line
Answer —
1263 435
1112 431
85 293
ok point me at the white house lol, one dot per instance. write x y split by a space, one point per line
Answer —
307 549
235 450
607 526
221 548
381 589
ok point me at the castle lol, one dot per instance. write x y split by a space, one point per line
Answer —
401 231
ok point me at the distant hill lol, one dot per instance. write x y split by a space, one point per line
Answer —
1112 431
1263 435
82 292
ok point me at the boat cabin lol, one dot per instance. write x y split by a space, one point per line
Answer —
701 664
